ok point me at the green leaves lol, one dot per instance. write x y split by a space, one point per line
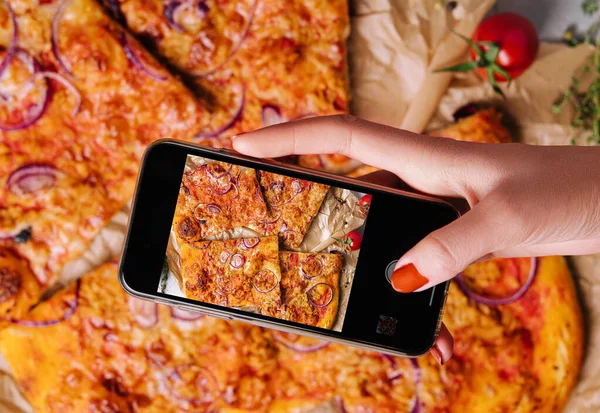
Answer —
590 6
487 53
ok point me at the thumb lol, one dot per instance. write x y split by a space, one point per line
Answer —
446 252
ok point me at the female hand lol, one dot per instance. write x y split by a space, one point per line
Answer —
525 200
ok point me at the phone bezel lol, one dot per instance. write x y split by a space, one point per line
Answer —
300 172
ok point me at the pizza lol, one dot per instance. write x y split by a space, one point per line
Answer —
101 350
255 63
292 205
215 197
482 126
241 273
310 287
73 126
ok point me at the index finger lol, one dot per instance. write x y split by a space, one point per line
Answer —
421 161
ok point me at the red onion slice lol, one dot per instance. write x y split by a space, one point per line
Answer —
217 171
32 178
185 315
136 60
234 49
169 13
225 284
250 243
224 256
12 43
277 186
30 114
273 220
212 209
297 186
265 281
192 384
311 267
65 83
417 402
237 261
318 301
54 37
144 312
499 301
72 307
271 115
297 343
237 114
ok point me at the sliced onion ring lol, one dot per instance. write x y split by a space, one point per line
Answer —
417 402
296 345
237 114
256 281
144 312
45 323
36 110
311 299
235 47
499 301
277 186
237 261
273 220
31 178
54 37
185 315
194 380
271 115
137 61
307 272
250 243
169 12
12 43
210 166
65 83
297 186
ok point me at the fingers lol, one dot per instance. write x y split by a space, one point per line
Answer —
444 346
430 164
448 251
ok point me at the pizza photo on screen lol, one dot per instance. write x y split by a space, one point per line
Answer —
264 243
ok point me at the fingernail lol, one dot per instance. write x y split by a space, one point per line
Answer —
407 279
238 135
437 355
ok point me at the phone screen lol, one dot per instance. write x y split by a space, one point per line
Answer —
264 243
280 246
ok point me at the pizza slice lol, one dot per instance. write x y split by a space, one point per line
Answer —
292 205
310 287
215 197
74 123
255 62
241 273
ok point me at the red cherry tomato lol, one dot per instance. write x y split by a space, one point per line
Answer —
517 39
353 240
365 203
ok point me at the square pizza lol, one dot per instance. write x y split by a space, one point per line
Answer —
292 205
215 197
310 287
241 273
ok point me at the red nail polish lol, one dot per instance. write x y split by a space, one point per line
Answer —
437 355
407 279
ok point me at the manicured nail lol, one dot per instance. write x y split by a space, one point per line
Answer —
437 354
407 279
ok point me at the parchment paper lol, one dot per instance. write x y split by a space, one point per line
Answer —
338 215
391 70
